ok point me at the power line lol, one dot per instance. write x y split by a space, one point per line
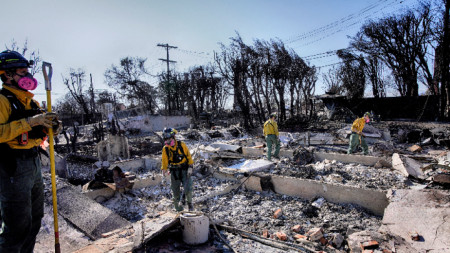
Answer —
343 28
343 24
333 24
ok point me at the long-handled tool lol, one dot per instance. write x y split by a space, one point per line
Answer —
48 88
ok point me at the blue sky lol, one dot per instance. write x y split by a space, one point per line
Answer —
95 34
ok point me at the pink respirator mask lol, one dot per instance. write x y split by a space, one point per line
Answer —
170 142
27 82
367 120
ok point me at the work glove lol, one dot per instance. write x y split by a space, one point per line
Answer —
190 169
45 119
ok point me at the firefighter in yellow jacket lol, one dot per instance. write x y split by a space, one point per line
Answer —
357 137
176 160
23 126
271 134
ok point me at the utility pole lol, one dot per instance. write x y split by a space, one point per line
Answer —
168 61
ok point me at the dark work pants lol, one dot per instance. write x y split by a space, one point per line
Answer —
355 141
176 181
21 205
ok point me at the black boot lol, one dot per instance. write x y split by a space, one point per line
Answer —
191 207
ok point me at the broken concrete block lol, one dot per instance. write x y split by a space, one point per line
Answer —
407 166
415 148
277 213
315 234
113 147
281 236
296 228
337 240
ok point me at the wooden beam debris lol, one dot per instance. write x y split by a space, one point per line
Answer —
266 241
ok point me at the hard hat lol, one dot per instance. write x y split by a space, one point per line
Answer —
169 132
13 60
273 114
368 114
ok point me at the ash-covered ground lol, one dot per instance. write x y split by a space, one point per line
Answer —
253 211
340 173
248 210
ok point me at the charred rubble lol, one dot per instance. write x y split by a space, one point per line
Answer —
408 156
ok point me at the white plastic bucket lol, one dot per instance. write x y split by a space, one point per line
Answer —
195 228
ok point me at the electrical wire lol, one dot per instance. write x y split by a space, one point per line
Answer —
343 24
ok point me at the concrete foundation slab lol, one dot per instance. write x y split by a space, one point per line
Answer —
426 212
86 214
134 165
344 158
372 200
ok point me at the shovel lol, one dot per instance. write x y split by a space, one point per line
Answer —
48 88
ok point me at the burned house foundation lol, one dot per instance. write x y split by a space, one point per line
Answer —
333 203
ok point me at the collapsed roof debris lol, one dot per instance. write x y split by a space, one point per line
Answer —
258 205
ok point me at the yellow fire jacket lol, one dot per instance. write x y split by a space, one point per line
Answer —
270 127
358 125
165 159
9 131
